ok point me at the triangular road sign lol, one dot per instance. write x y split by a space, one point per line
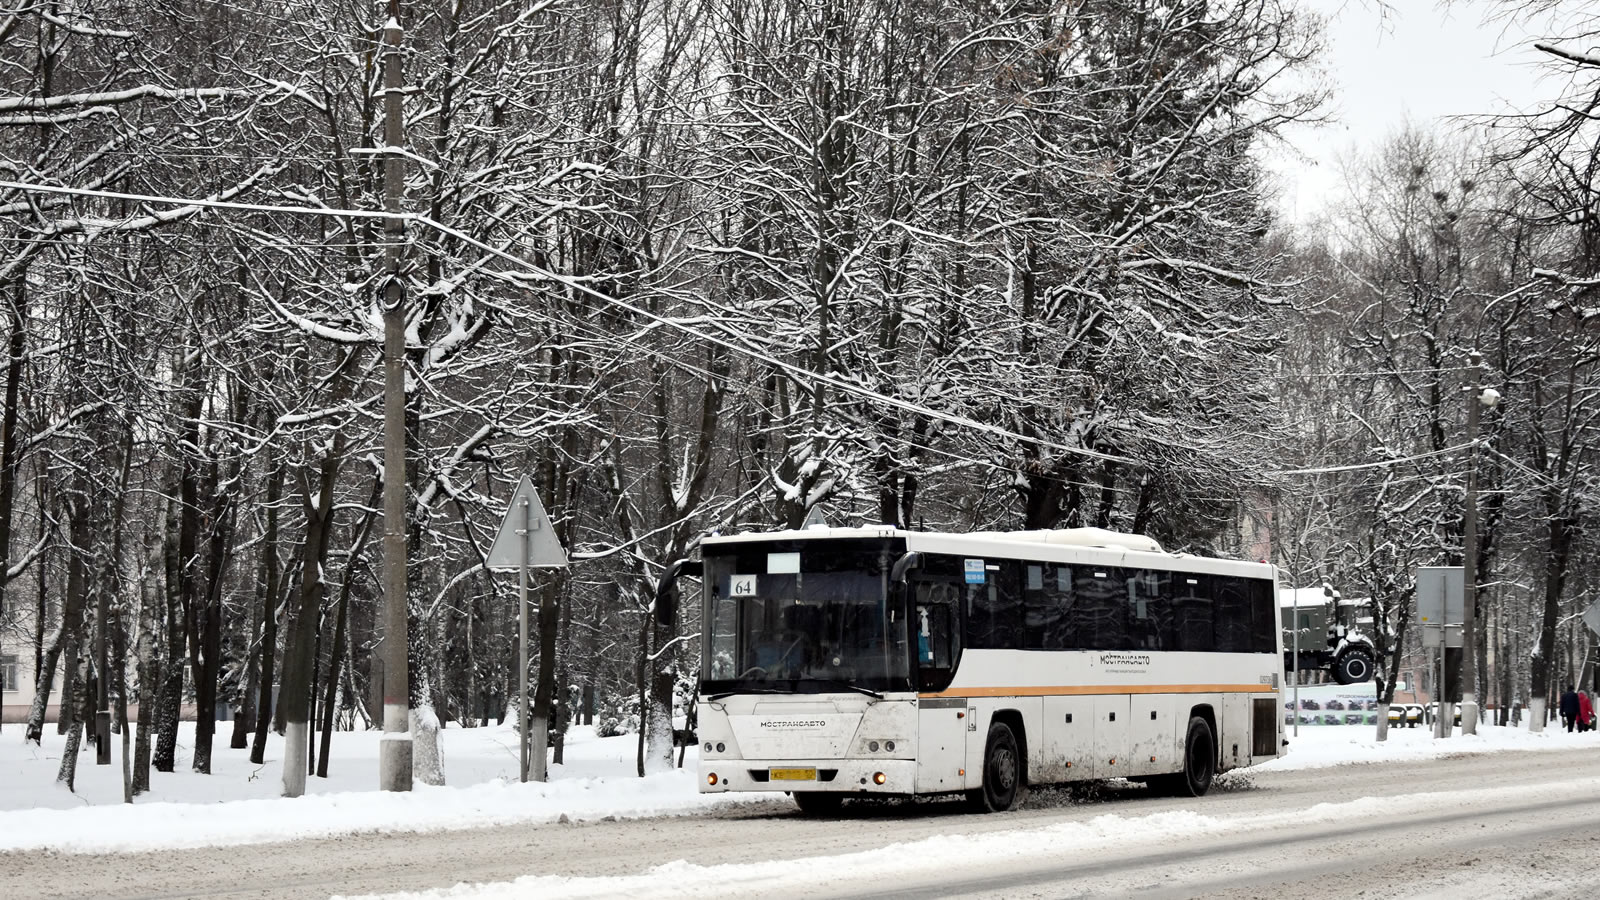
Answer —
526 513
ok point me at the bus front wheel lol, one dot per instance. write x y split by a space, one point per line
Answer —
1002 771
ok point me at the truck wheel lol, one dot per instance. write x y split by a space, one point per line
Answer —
1002 771
1354 665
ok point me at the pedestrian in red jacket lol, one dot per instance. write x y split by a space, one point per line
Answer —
1585 712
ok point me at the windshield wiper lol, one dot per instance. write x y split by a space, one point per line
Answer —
726 694
848 686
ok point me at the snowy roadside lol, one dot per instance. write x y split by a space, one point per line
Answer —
964 851
238 804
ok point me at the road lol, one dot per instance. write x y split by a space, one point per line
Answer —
1509 824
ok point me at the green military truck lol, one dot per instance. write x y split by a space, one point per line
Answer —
1334 634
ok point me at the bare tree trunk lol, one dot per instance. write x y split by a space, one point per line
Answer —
148 667
169 701
334 658
44 679
68 772
299 658
15 345
271 591
208 633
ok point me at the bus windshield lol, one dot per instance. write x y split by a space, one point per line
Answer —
802 617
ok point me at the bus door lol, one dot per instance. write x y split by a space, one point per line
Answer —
942 721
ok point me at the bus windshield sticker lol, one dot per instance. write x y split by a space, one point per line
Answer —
742 586
783 563
974 570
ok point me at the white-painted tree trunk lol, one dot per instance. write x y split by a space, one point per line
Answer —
1536 715
295 735
1383 721
427 746
538 747
658 745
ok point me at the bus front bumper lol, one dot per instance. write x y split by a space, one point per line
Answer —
888 777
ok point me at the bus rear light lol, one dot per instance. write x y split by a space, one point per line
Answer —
708 746
889 746
872 746
879 778
721 747
711 779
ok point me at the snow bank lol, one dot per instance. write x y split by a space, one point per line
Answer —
238 804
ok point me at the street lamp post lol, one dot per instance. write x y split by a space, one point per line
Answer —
1476 395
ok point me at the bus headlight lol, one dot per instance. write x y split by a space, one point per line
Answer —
711 779
889 746
879 778
872 746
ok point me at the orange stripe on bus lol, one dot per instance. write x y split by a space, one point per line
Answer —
1072 690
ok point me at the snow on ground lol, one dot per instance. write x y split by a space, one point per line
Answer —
239 802
881 865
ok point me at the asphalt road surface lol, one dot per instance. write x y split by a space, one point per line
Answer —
1509 824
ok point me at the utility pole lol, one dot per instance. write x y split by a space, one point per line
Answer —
394 754
526 508
1469 548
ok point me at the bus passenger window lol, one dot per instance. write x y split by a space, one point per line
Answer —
938 640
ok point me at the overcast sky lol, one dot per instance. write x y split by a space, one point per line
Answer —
1418 61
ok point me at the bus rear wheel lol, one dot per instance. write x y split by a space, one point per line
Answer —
1199 760
818 803
1002 771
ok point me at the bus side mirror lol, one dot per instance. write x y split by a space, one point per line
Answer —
909 562
667 588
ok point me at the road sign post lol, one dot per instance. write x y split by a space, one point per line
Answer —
525 540
1440 610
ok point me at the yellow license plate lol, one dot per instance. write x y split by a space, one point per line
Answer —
792 774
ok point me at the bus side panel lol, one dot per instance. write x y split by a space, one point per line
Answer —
941 745
1156 742
1111 735
1066 740
978 732
1233 746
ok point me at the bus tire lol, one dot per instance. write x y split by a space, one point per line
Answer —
1353 666
1199 760
1002 771
818 803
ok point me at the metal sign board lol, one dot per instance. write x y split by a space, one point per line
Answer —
1591 617
1441 596
526 513
1435 635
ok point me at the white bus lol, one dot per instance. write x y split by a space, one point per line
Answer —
876 662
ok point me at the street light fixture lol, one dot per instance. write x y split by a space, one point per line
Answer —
1477 396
